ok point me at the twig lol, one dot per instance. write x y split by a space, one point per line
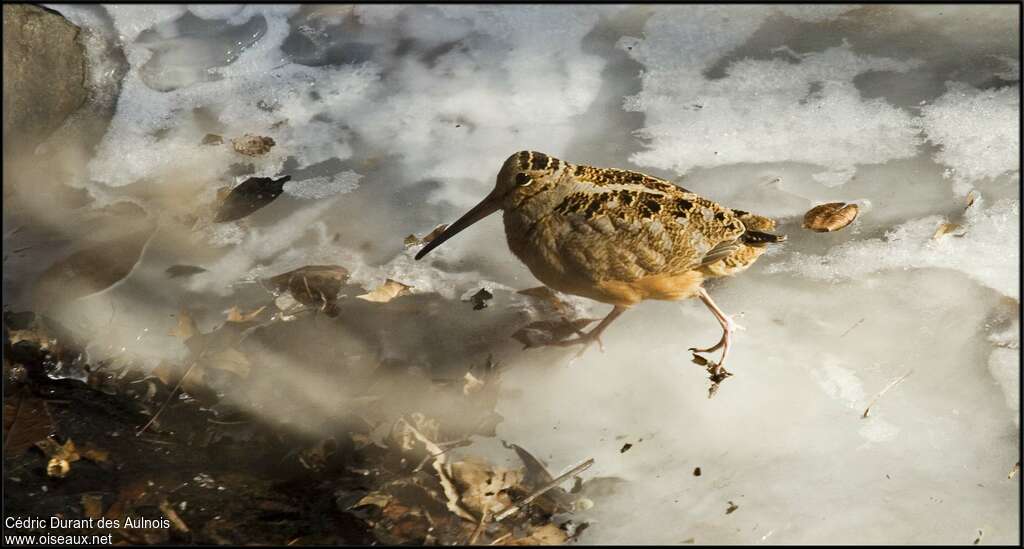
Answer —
480 527
850 329
501 539
172 515
439 462
891 384
543 489
168 401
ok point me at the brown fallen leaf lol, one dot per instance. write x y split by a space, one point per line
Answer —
952 229
376 499
252 145
386 292
549 297
484 489
249 196
472 384
830 217
413 240
229 360
313 285
61 456
547 534
92 506
732 507
26 420
186 327
480 299
237 315
542 332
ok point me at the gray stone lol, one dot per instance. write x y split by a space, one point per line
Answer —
44 75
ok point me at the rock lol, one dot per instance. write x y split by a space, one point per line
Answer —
44 74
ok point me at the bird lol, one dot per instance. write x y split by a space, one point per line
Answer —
617 236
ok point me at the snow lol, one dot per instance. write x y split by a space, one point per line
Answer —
392 119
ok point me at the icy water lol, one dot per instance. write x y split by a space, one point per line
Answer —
392 119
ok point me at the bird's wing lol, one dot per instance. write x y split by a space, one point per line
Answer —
629 233
613 178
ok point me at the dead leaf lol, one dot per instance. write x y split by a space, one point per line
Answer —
732 507
313 285
252 145
472 384
386 292
229 360
186 327
549 297
696 471
95 455
237 315
377 499
547 534
61 456
625 448
830 217
92 506
26 420
404 432
249 196
212 139
952 229
413 240
484 489
543 332
174 271
480 299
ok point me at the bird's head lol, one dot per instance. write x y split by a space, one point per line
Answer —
524 175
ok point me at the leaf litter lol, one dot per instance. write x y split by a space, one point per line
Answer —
397 471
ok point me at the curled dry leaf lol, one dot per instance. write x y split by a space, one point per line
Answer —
61 456
549 297
252 145
312 285
249 196
952 229
413 240
472 384
386 292
830 217
483 489
237 315
377 499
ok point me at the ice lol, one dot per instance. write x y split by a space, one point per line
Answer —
987 251
803 108
392 119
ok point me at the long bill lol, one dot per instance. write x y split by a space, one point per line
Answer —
486 207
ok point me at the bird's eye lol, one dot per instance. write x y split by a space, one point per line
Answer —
523 180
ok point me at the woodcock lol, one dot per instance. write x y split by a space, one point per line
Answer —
617 236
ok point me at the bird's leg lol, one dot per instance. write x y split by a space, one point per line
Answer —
728 327
593 335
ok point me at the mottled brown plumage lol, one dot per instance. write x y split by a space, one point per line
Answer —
617 236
